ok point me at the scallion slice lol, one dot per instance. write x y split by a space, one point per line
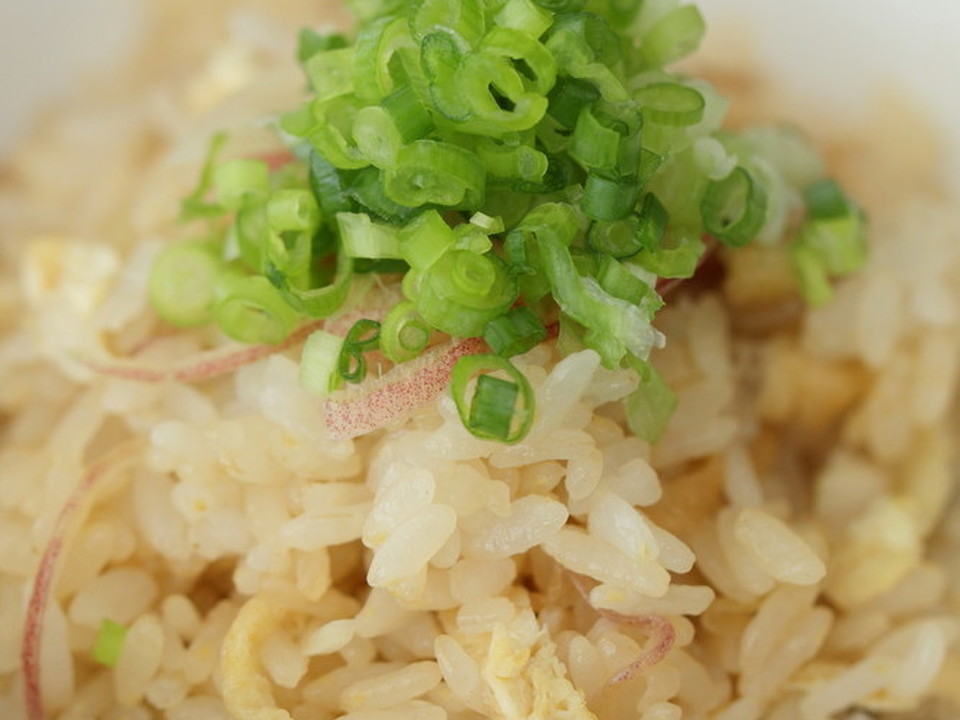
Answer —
109 643
734 208
319 362
403 334
182 282
497 409
249 309
514 332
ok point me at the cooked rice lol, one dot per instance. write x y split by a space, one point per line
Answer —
786 551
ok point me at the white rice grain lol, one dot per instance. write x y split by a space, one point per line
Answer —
411 544
329 637
460 671
139 659
778 549
413 710
391 688
587 555
120 594
533 520
474 578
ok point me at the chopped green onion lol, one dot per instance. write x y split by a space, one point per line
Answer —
330 73
251 234
734 208
621 281
568 98
327 187
528 58
376 45
377 137
424 239
674 36
364 333
839 242
669 103
241 180
461 19
651 405
363 238
319 362
363 336
249 309
181 284
463 290
676 257
653 223
332 131
497 409
194 206
489 225
625 238
428 171
109 643
825 199
496 96
310 42
525 16
812 275
366 189
440 60
559 6
514 332
320 301
409 116
606 198
403 334
515 162
617 326
292 209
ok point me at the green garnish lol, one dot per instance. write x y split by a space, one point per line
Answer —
109 643
517 162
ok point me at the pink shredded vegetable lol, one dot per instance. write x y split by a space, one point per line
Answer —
402 390
208 365
43 580
661 633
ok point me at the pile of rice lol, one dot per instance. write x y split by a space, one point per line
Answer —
786 551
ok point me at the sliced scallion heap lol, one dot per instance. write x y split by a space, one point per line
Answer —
508 165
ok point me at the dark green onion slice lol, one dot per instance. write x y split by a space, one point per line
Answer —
363 335
607 198
826 199
497 409
514 332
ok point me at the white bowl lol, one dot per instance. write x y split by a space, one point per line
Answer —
837 53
